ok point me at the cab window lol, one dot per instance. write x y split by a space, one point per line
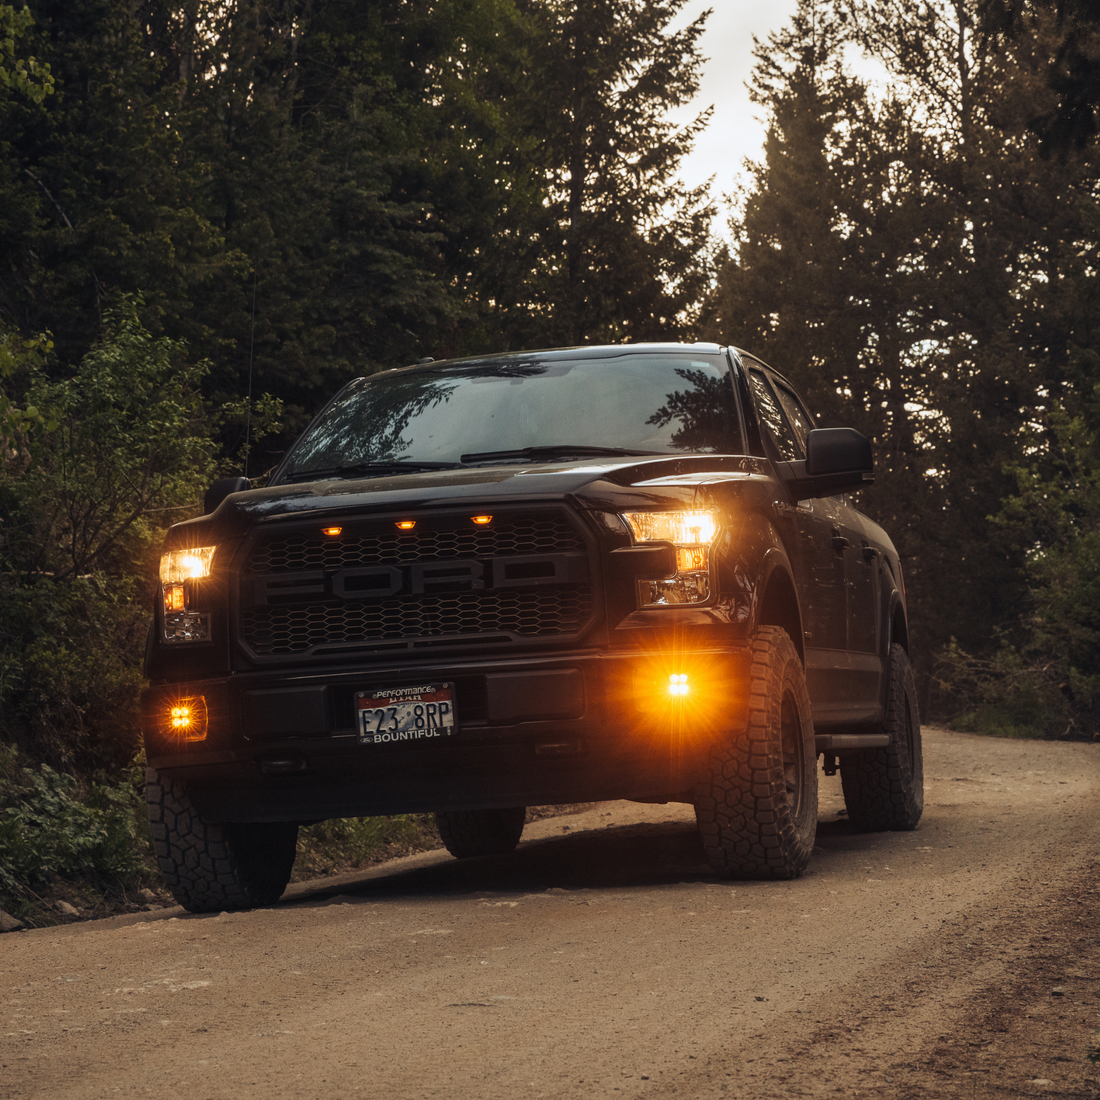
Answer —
778 437
797 416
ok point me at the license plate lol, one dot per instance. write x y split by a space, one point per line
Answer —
413 713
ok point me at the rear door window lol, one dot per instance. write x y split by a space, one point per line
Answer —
778 436
797 416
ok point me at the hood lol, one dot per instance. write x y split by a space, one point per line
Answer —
601 484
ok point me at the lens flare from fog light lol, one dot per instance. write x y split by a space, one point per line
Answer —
678 684
188 718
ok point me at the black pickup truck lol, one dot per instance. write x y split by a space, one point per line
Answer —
478 585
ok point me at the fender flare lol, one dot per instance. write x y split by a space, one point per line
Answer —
775 569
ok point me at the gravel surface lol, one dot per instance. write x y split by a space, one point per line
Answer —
604 959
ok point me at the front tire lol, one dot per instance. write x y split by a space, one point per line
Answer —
757 811
211 867
468 833
884 788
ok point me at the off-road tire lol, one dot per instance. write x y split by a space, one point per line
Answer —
757 810
467 833
211 867
884 788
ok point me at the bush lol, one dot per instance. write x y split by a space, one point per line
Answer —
1005 695
345 843
51 825
1042 675
95 462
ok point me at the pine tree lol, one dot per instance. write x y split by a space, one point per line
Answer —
904 255
619 247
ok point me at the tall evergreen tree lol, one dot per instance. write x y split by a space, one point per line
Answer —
99 191
899 255
619 249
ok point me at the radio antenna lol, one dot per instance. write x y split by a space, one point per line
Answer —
251 358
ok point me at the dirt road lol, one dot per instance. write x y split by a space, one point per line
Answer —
602 959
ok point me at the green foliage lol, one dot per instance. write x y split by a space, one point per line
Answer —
25 75
304 192
124 435
96 463
616 247
1043 677
341 843
70 669
1003 695
49 825
1073 66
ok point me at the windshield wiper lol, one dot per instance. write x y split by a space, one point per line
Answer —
555 450
370 469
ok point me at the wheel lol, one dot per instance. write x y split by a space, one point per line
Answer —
757 810
467 833
884 788
212 867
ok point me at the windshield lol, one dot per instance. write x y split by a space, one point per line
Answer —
648 403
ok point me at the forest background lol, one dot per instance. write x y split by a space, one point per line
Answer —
215 212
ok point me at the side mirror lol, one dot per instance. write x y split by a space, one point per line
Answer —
221 489
837 461
838 450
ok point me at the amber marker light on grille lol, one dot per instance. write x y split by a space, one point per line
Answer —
482 520
332 532
188 718
405 524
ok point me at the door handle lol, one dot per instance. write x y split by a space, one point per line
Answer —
840 543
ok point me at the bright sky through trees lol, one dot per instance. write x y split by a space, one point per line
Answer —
736 131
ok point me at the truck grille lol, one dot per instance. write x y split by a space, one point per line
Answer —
536 535
302 592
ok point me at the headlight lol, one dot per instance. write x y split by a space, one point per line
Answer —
178 566
691 533
179 570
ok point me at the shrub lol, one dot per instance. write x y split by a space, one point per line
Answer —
50 825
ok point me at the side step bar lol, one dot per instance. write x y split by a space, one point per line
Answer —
847 742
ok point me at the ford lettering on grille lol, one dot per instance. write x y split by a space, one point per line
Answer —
379 582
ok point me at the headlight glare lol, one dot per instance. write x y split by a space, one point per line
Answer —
679 528
179 570
177 566
691 533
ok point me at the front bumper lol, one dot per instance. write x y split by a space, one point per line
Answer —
579 727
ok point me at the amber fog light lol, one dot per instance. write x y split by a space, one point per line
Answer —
188 719
654 688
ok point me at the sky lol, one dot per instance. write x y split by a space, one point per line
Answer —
734 132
